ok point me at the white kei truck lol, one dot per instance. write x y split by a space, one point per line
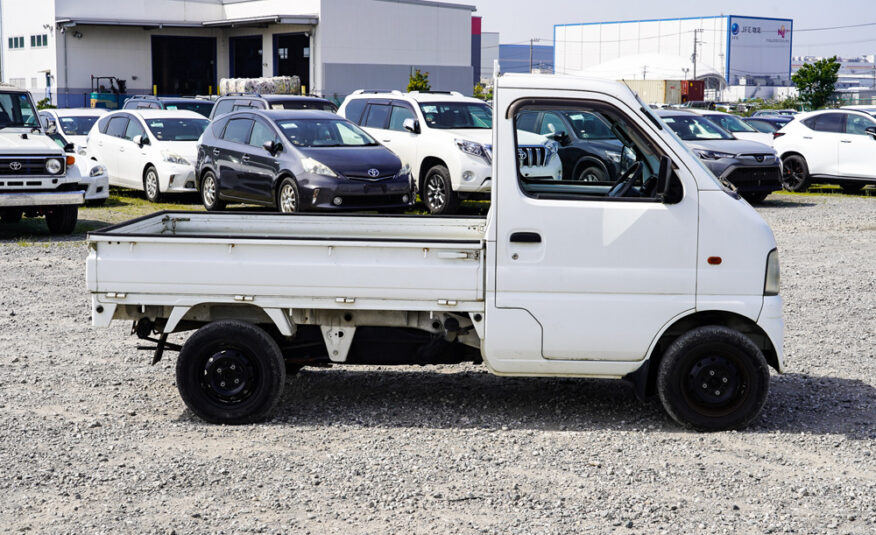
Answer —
663 277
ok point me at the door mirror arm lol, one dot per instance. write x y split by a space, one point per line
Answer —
664 179
872 131
411 125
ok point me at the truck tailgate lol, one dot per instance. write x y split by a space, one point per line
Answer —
291 256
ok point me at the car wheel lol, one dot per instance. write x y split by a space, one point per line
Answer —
755 197
713 378
851 187
288 199
588 170
230 372
150 185
438 194
795 173
210 193
62 219
10 216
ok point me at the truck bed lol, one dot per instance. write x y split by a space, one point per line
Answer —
291 260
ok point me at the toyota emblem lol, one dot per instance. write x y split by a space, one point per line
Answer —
373 173
15 166
759 158
521 154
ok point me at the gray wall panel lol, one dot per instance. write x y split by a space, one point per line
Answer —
343 78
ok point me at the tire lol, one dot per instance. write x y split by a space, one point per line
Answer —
96 202
755 197
590 171
225 351
437 192
851 187
210 193
795 173
288 197
10 216
713 378
62 219
151 187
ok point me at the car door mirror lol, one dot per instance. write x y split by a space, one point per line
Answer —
664 179
50 126
411 125
871 130
69 147
561 137
141 140
272 146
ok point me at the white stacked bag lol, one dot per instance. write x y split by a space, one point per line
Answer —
275 85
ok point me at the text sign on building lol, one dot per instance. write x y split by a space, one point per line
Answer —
759 51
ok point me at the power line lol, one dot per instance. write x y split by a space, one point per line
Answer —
836 27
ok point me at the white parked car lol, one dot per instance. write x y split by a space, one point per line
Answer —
834 146
68 128
446 139
149 150
866 108
736 126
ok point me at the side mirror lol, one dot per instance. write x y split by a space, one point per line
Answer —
411 125
561 137
50 126
141 140
69 147
272 146
871 130
664 179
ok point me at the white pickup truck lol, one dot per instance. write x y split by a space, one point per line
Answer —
663 278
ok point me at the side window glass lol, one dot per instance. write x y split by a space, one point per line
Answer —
237 130
117 127
856 124
526 121
223 107
604 156
376 116
260 134
398 116
134 129
354 109
829 122
102 124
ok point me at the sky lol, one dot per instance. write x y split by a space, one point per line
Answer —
518 21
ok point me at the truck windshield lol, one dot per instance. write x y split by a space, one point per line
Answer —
77 125
692 128
16 110
324 133
448 115
177 129
730 123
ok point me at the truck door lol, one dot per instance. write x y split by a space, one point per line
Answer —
601 266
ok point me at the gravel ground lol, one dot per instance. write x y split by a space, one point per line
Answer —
94 440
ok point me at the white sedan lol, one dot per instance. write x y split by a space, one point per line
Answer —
70 126
150 150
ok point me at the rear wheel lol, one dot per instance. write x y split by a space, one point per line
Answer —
62 219
851 187
230 372
438 194
795 173
10 216
150 185
210 193
288 199
713 378
755 197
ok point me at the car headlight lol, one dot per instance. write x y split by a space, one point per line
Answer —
771 282
405 170
172 157
613 156
475 149
315 167
97 170
713 155
54 166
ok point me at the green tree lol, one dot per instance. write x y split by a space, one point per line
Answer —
816 81
44 104
483 93
419 81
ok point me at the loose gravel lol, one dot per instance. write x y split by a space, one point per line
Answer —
95 440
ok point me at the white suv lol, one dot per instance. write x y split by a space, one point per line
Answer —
446 139
837 146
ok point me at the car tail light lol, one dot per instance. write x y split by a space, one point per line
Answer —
777 135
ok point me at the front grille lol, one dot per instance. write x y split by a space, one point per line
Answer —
765 159
27 166
360 176
531 156
756 178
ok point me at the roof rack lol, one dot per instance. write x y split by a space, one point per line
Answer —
242 94
431 92
390 91
132 97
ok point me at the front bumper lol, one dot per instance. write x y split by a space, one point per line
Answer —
319 193
472 176
748 178
96 188
771 321
176 178
40 199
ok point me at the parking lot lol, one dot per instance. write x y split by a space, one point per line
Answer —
94 440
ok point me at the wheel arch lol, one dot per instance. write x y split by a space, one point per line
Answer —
282 175
428 163
194 316
791 152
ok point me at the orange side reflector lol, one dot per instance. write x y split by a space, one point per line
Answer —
715 260
71 160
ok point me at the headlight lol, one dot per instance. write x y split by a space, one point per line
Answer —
315 167
97 170
54 166
172 157
613 156
771 283
475 149
405 170
713 155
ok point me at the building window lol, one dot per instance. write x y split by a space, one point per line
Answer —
283 53
17 82
37 41
16 42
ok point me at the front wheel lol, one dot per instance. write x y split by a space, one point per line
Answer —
62 219
210 193
438 194
713 378
591 171
150 185
230 372
795 173
288 199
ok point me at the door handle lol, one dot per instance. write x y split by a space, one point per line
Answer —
386 140
845 141
807 137
525 237
245 158
215 152
121 149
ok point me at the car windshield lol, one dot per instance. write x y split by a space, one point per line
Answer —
693 128
447 115
16 110
589 126
177 129
730 123
324 133
303 105
77 125
204 108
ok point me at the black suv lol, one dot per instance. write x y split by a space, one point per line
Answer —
254 101
148 102
298 160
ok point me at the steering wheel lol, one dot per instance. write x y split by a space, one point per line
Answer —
626 181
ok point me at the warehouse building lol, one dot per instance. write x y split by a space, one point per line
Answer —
183 47
752 55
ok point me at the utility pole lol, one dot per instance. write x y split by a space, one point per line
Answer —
693 57
644 72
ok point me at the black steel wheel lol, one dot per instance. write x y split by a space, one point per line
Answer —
713 378
230 372
62 219
795 173
437 192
